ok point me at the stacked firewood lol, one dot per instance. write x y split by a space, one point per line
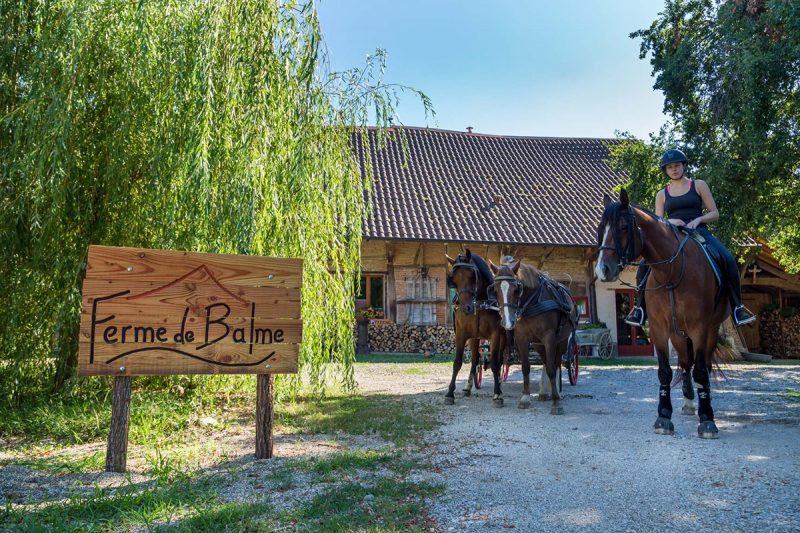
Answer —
780 336
403 338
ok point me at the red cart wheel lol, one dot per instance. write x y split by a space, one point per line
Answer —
572 373
479 375
505 371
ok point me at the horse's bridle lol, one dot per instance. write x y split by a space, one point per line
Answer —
515 310
473 306
624 258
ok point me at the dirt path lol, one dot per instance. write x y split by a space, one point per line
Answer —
600 467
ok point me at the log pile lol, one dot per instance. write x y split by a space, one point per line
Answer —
780 336
385 336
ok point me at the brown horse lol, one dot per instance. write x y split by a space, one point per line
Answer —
681 296
539 311
475 318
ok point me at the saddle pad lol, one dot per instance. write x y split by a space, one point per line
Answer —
712 255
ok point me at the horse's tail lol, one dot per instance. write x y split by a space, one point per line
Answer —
721 357
723 354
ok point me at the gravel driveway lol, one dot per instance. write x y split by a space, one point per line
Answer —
600 467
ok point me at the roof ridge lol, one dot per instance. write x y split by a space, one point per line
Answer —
497 135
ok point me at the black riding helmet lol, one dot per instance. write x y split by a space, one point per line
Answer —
672 156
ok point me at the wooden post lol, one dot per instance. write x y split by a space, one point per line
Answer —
117 452
264 416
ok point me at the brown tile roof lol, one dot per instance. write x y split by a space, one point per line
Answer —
468 187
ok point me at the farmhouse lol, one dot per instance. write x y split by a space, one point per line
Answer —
439 192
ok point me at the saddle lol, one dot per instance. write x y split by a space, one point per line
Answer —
714 258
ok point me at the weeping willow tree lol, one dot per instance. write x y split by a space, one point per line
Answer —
189 125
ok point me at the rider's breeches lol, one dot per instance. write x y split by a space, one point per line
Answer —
641 280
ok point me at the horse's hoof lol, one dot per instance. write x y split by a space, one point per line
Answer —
664 426
467 392
556 410
449 400
688 410
497 402
543 397
708 430
524 405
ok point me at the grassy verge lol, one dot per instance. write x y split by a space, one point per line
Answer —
174 424
355 490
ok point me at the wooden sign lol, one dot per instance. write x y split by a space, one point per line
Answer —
151 312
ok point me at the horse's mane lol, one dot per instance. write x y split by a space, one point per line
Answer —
527 274
647 212
483 266
613 212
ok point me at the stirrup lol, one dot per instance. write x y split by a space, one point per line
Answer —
742 316
635 317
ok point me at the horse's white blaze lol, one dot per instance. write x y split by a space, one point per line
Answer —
506 314
598 269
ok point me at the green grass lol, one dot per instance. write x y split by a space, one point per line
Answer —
192 498
169 442
379 415
395 506
793 394
106 510
161 409
61 464
404 358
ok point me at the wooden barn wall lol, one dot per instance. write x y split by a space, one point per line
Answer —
403 260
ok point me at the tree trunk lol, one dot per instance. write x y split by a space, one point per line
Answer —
264 416
117 453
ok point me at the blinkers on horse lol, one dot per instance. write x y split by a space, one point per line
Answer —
474 304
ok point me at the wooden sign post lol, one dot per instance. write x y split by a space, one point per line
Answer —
156 312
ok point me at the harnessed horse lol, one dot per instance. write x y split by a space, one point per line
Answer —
681 295
538 310
475 318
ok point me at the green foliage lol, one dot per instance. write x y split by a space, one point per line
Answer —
730 74
206 126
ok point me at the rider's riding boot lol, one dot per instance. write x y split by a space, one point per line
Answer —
742 316
638 313
636 317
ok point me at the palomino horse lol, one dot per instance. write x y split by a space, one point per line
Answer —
538 310
475 318
681 295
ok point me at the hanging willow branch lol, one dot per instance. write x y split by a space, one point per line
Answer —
189 125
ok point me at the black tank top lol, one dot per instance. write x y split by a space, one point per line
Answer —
686 207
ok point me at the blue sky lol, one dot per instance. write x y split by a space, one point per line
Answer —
565 69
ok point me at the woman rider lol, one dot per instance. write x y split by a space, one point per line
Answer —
684 200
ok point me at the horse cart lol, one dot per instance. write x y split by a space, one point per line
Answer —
596 341
569 360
